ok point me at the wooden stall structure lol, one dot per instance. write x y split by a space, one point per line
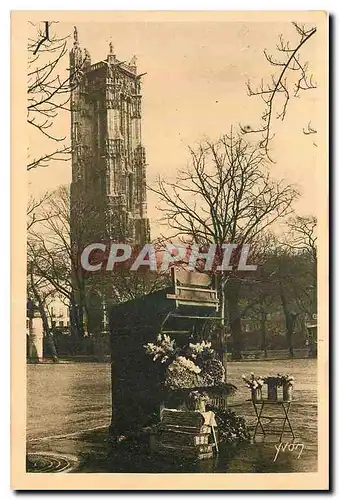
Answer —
136 398
193 288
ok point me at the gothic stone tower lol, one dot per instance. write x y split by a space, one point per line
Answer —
108 159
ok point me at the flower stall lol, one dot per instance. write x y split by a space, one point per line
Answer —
177 376
191 375
142 380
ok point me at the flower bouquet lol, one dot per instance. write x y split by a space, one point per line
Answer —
255 385
163 350
189 369
287 383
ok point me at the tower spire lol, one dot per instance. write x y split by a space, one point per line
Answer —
75 37
111 55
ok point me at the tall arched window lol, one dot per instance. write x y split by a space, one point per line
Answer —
128 127
130 193
122 114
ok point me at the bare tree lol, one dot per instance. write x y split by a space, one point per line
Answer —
292 77
303 235
48 90
260 293
34 207
126 285
295 260
57 243
40 290
302 240
225 195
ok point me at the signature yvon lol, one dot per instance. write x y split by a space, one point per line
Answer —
283 447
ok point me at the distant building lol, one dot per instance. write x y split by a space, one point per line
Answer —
58 313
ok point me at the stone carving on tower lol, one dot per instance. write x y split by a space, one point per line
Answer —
108 158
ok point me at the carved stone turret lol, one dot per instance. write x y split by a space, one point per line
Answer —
108 159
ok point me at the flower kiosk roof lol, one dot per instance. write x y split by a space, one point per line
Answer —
136 395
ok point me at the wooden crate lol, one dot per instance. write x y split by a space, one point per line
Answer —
205 429
182 438
182 418
183 434
195 452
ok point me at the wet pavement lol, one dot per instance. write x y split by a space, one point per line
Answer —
69 411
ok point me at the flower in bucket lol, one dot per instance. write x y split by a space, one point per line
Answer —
253 382
286 379
197 400
199 396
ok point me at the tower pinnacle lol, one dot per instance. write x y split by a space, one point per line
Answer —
75 36
133 61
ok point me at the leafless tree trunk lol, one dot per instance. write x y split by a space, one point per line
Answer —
263 325
225 195
37 295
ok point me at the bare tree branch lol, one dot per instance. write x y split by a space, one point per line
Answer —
292 78
225 195
48 89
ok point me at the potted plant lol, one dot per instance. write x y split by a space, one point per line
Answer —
272 387
198 401
287 383
255 385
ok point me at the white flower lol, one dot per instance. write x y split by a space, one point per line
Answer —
188 364
199 347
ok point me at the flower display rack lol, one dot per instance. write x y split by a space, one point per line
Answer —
274 384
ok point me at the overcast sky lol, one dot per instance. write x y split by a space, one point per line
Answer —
195 87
